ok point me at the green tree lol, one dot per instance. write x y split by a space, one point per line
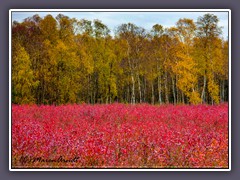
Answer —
186 66
23 80
207 32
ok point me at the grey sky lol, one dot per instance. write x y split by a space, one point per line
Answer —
143 19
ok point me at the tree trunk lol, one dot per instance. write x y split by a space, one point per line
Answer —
166 89
173 88
139 89
144 90
106 99
133 90
223 94
183 101
204 87
94 97
43 92
88 91
152 93
177 92
128 94
159 90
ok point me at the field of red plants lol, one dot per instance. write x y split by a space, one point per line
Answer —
120 136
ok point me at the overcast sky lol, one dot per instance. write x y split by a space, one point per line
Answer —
143 19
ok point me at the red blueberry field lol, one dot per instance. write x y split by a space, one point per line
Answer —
120 136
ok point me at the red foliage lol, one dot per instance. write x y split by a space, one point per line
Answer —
118 135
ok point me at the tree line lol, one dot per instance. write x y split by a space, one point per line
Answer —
65 60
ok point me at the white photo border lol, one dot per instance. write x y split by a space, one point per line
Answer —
119 10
